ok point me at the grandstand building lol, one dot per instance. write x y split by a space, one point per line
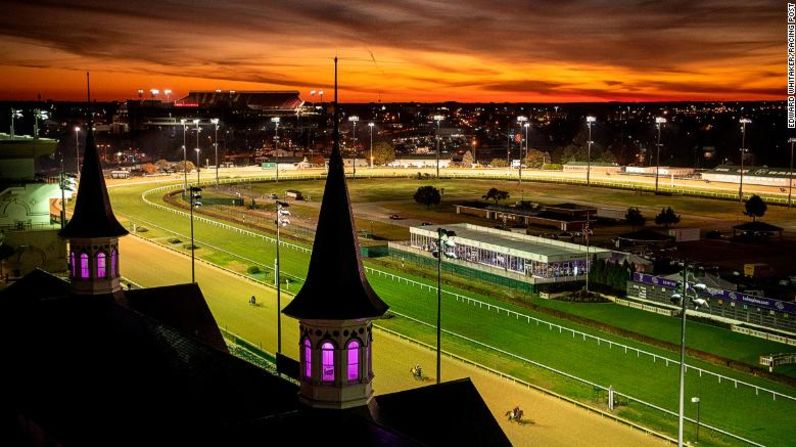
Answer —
271 103
738 307
29 209
530 259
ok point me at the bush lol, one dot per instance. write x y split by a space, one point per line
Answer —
553 167
253 270
498 163
427 195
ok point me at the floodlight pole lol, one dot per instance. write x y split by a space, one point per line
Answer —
184 159
371 124
278 285
215 145
589 122
659 121
681 402
77 148
744 122
439 303
276 120
193 245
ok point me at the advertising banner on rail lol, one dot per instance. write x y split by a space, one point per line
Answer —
729 295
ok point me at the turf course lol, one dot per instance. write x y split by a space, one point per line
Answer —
763 420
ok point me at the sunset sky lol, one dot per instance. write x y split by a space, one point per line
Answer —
395 50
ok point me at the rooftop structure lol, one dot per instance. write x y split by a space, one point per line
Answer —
28 231
538 259
260 101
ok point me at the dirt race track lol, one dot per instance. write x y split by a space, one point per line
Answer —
551 422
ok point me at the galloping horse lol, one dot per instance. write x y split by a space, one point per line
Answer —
417 372
515 415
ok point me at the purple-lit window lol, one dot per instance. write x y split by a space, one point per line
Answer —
307 358
84 272
72 265
353 360
101 268
327 362
114 263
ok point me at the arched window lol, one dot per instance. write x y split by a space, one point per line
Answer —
327 362
353 360
72 265
114 262
307 358
84 271
101 266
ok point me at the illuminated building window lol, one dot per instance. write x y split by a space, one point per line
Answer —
307 358
101 267
353 360
84 271
327 362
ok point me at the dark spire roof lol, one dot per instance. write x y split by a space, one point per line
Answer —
336 287
93 215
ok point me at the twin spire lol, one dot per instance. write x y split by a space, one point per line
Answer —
93 216
336 287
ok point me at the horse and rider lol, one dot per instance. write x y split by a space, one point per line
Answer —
417 372
515 414
253 301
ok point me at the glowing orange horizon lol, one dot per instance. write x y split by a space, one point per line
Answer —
425 52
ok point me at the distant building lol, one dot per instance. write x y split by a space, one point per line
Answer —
30 209
531 259
563 217
753 175
740 308
596 167
663 171
265 102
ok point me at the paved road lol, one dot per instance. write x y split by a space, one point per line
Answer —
553 422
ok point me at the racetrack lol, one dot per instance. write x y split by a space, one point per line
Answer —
554 422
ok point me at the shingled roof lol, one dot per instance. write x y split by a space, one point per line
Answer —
336 287
93 216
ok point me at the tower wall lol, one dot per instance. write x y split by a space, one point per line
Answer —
97 273
342 391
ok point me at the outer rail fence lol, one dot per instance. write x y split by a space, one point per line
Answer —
576 333
481 304
531 386
489 307
578 379
540 365
529 176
